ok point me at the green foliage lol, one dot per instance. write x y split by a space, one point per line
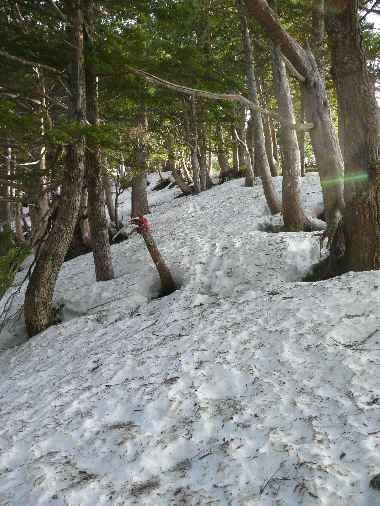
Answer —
375 482
11 258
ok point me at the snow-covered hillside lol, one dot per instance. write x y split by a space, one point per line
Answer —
244 387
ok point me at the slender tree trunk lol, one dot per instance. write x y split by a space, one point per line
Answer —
235 149
107 186
294 217
274 141
250 176
261 161
193 129
302 140
20 239
96 205
84 223
38 306
269 147
202 157
268 134
225 169
359 135
5 209
140 204
168 284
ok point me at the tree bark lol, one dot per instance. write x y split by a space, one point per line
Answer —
195 165
96 205
225 169
359 135
323 135
250 176
178 178
302 140
107 186
5 209
139 197
261 163
294 216
168 284
269 148
38 305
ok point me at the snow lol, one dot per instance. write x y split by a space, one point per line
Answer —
244 387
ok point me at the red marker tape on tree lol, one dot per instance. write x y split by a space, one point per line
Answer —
143 223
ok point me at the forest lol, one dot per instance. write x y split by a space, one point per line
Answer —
190 252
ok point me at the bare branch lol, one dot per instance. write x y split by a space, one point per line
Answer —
28 62
229 97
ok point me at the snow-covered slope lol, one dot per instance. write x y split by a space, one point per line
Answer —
244 387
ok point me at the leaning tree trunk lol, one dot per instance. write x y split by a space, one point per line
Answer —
38 305
139 197
294 216
323 136
359 135
96 205
261 163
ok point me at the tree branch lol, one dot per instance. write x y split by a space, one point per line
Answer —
28 62
229 97
290 48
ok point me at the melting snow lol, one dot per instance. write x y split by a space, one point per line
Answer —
244 387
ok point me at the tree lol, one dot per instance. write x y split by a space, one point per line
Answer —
359 135
38 305
261 160
323 136
96 204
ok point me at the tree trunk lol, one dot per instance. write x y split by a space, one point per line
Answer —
5 208
301 142
274 141
139 184
317 30
262 168
193 130
107 186
225 169
323 136
168 284
250 176
269 147
38 208
359 135
139 194
38 305
235 150
294 217
96 205
178 178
